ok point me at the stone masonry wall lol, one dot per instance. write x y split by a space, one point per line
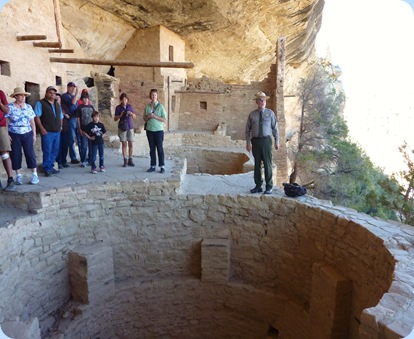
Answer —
156 236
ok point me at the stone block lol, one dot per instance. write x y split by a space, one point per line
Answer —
215 260
91 272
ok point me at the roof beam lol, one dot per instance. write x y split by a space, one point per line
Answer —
168 64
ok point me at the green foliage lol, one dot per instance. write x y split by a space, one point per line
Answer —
332 167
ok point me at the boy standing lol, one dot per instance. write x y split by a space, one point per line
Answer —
84 116
94 131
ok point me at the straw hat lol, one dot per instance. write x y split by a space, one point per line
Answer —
19 90
260 95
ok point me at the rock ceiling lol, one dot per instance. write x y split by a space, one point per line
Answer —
230 40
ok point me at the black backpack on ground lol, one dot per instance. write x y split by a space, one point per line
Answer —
294 190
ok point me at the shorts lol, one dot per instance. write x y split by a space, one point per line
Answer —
4 139
128 135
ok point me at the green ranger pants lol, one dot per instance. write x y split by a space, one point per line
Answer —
262 152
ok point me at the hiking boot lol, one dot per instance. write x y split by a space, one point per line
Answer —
125 162
257 189
130 163
11 186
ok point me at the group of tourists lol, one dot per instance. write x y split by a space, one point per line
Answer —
62 120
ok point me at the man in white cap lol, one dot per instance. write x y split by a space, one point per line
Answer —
261 125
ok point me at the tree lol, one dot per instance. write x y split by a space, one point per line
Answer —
397 191
321 101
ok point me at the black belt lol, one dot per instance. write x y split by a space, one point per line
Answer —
257 138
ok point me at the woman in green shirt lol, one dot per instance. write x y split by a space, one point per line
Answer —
155 116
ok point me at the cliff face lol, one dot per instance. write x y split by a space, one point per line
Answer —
230 40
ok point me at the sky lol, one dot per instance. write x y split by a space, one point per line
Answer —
373 43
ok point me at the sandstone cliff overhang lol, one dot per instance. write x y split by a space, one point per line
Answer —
230 40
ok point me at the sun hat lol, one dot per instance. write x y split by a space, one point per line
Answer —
260 95
19 90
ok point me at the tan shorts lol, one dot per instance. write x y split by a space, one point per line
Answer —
128 135
4 139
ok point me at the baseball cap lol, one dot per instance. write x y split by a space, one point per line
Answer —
71 84
51 88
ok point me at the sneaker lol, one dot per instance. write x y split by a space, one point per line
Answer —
257 189
151 169
65 165
75 161
162 170
19 179
60 166
35 179
102 169
11 186
48 174
55 171
94 171
268 191
130 163
84 164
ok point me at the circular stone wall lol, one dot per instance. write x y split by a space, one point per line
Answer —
160 264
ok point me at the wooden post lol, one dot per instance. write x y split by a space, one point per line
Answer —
61 50
30 37
131 63
58 20
48 44
281 154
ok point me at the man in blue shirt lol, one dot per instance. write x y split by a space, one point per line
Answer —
69 106
49 122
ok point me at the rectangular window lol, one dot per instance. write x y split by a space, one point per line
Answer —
173 103
58 80
171 53
5 68
203 104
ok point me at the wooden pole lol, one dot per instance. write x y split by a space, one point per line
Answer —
168 64
61 50
281 154
58 20
30 37
48 44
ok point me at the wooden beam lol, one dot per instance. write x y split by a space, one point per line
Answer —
48 44
30 37
61 50
168 64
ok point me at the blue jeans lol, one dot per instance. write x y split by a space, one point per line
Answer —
94 151
85 146
155 141
50 149
63 149
70 140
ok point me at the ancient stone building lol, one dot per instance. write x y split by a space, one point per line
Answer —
127 256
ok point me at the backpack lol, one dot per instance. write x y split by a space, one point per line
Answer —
294 190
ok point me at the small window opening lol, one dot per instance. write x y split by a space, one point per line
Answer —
203 104
58 80
272 332
5 68
173 103
171 53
